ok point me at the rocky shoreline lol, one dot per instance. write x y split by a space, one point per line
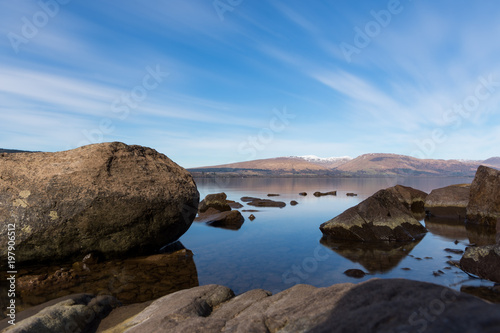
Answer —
104 202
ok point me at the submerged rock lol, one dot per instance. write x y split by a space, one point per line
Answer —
322 194
266 203
482 261
109 198
381 217
450 201
355 273
484 203
377 305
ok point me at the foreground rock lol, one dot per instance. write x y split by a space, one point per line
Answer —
392 305
482 261
449 202
484 203
381 217
75 313
413 199
109 198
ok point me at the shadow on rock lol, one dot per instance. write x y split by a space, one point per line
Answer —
375 257
130 280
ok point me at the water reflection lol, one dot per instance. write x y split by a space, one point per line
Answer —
455 229
131 280
375 257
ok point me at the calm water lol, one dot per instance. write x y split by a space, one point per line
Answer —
282 247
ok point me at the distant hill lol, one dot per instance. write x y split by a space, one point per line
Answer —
2 150
368 165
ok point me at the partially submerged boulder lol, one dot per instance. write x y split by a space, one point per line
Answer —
217 201
449 202
232 219
483 261
266 203
381 217
322 194
377 305
109 198
412 198
484 202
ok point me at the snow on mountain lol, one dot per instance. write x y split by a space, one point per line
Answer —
316 159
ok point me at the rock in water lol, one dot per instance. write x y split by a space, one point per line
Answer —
449 201
217 201
413 199
483 261
484 202
381 217
109 198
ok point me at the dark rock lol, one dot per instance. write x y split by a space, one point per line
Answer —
351 194
412 198
266 203
355 273
303 194
293 203
483 261
91 259
273 195
232 220
217 201
248 199
489 294
455 251
76 313
450 201
109 198
484 203
250 211
234 204
321 194
381 217
377 305
251 217
375 257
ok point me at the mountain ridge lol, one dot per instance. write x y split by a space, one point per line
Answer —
366 165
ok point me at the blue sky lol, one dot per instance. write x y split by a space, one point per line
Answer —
210 82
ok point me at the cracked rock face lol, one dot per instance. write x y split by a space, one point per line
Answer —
109 198
484 203
388 305
483 261
381 217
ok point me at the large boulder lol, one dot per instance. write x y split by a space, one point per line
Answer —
75 313
449 202
483 261
413 199
109 198
381 217
484 202
388 305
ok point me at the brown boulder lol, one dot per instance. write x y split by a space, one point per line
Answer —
109 198
412 198
450 201
381 217
232 220
484 202
377 305
322 194
266 203
217 201
483 261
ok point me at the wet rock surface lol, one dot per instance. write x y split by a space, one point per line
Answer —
381 217
482 261
484 203
450 201
109 198
391 305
